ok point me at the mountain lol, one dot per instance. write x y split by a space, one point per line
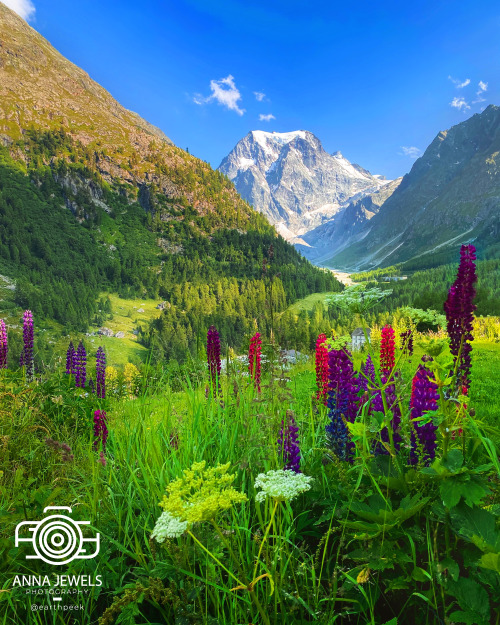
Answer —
334 235
93 199
450 196
292 180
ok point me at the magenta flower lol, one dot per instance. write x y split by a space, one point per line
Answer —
254 355
213 357
424 397
459 309
26 358
321 359
100 429
4 347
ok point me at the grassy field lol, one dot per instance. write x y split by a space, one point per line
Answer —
329 557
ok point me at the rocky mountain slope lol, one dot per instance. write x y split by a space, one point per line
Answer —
334 235
292 180
450 196
93 199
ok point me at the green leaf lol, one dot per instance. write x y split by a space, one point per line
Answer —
420 575
490 561
393 621
471 596
469 618
452 567
453 460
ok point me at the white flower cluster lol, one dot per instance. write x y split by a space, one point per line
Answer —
168 526
282 485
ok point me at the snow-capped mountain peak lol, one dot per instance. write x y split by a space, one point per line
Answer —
290 178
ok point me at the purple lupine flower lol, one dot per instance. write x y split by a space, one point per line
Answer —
213 357
459 309
4 347
288 443
368 368
100 429
342 402
26 358
424 397
101 373
70 359
91 386
80 366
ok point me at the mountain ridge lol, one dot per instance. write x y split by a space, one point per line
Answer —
291 179
450 196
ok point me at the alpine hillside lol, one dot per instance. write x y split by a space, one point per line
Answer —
450 196
291 179
93 198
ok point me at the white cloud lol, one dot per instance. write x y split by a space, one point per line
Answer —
259 96
459 84
224 92
266 118
24 8
411 151
483 86
460 104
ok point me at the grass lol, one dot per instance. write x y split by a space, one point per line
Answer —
307 303
313 553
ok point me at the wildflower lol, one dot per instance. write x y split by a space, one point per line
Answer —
111 377
63 448
424 397
102 459
71 359
80 366
281 485
321 369
406 339
100 429
288 443
100 369
387 347
459 309
368 369
254 357
91 385
213 357
26 358
342 402
130 375
168 526
201 493
4 348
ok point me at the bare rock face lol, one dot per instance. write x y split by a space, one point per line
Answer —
292 180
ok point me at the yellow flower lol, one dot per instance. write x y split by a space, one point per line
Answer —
111 377
130 375
201 493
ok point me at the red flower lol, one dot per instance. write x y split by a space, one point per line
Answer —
387 350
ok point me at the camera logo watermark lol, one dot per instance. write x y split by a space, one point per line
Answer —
57 539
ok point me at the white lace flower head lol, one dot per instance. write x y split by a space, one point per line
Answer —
281 485
168 526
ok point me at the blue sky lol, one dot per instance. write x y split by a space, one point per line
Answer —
375 80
